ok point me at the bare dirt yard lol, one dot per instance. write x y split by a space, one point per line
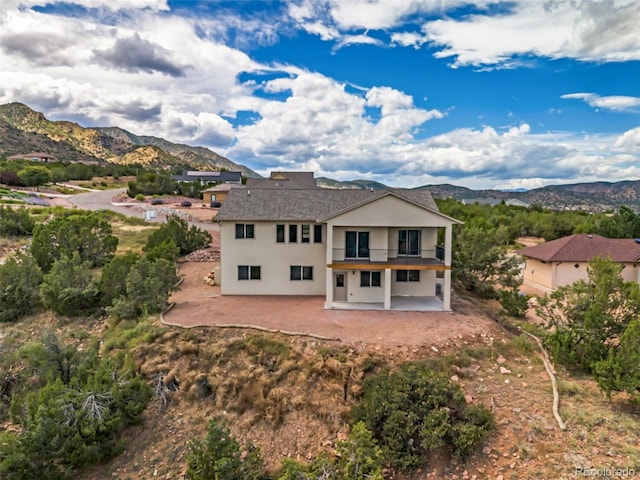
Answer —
198 304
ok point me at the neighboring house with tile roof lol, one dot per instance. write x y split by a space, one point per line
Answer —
370 249
564 261
284 180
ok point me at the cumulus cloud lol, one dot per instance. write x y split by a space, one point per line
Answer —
587 30
135 54
618 103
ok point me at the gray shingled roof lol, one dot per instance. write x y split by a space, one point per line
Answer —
308 205
583 248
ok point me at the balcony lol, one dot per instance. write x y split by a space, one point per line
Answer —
373 256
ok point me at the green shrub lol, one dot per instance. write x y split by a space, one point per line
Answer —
71 412
186 238
414 412
147 289
140 197
70 288
85 233
20 280
220 456
15 222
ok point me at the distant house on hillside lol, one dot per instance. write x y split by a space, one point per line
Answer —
33 156
285 180
219 192
513 202
564 261
212 176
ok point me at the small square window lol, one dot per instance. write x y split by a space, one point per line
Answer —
370 279
249 272
296 272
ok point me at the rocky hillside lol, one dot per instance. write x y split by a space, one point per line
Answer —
23 129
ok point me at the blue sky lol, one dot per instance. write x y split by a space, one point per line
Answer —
480 94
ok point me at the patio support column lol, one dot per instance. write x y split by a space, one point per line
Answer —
446 291
329 259
387 289
446 288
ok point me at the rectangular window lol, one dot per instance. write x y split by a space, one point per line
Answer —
299 272
317 234
370 279
244 230
357 245
407 275
306 234
280 233
248 272
409 242
293 233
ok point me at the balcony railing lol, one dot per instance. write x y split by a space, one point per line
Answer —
394 257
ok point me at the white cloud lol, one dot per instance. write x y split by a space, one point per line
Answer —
613 102
629 140
586 30
364 39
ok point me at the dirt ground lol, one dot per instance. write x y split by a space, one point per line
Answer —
198 304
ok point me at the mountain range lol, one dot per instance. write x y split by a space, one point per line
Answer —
24 130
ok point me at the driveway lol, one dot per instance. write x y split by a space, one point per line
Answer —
103 200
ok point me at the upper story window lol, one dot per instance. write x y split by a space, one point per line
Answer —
357 244
244 230
293 233
280 233
306 234
317 234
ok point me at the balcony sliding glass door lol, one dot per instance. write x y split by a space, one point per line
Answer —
357 245
409 243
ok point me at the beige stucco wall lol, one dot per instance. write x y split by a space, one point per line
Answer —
390 211
426 286
556 274
537 273
358 294
274 259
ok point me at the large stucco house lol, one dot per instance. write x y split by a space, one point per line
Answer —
564 261
357 248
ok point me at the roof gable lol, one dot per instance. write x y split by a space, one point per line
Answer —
584 248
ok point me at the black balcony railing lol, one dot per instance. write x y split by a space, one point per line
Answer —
396 257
